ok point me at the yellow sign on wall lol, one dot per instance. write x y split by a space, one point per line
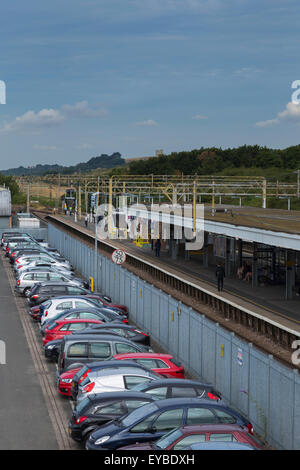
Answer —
91 284
222 350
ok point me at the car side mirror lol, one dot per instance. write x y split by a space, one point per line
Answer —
151 430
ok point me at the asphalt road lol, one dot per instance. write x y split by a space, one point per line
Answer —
25 421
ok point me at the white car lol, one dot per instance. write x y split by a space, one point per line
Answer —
59 304
112 380
22 260
20 268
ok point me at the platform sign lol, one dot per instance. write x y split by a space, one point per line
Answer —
240 356
118 256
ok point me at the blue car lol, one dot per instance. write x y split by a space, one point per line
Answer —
150 422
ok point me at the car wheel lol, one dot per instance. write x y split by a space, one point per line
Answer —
86 437
26 291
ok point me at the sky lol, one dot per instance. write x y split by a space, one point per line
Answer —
86 77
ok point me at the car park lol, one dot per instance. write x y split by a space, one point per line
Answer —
177 388
110 380
183 437
96 410
163 364
151 422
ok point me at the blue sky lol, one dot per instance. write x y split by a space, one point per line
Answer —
86 77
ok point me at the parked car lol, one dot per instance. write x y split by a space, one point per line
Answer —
6 235
24 258
183 437
52 308
178 388
151 422
91 348
45 290
127 331
49 314
163 364
96 410
69 381
65 327
27 280
113 380
36 264
52 349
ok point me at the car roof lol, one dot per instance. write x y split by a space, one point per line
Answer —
85 337
77 320
107 396
55 283
170 402
111 363
122 371
115 325
179 382
145 355
220 446
213 428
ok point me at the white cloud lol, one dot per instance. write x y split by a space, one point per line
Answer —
290 113
199 117
82 109
147 123
31 121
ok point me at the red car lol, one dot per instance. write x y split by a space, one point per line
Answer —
65 381
162 364
61 328
181 438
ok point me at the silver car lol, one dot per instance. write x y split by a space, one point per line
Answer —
27 280
37 264
113 380
22 260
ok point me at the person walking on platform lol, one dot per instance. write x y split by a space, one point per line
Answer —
157 247
220 274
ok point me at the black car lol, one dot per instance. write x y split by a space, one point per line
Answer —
96 410
52 349
127 331
96 366
152 421
45 290
177 388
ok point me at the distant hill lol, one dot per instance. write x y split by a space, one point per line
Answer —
102 161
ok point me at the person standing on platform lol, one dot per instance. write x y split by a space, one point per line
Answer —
220 274
157 247
86 219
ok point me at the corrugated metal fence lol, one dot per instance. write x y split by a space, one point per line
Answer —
252 382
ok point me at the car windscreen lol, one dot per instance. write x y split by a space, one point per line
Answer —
139 413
